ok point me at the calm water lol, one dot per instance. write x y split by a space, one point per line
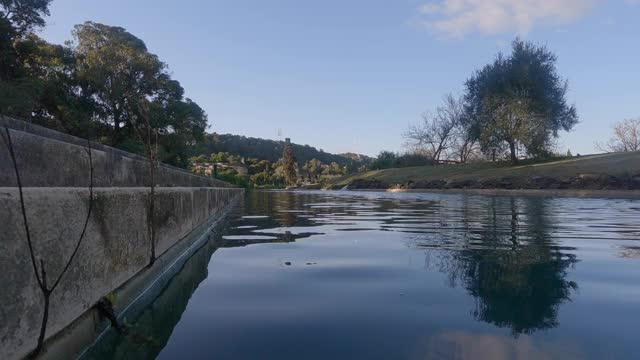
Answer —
320 275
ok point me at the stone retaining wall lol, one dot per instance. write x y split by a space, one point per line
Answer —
116 246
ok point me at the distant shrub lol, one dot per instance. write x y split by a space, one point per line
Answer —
388 159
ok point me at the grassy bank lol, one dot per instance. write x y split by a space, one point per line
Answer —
617 170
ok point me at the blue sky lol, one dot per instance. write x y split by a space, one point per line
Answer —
351 75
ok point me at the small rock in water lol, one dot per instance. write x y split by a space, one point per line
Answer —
288 263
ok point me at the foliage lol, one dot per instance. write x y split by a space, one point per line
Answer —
24 15
271 150
104 86
388 159
384 160
313 169
132 92
290 164
234 178
524 87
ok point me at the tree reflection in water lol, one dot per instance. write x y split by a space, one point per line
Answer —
509 264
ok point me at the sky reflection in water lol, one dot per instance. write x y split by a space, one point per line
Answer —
425 276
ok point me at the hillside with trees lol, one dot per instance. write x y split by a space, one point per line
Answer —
262 173
265 149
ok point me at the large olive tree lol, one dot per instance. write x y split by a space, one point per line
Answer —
518 101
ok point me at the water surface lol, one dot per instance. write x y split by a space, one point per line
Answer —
317 275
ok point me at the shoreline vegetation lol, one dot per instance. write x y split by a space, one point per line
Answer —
614 173
566 193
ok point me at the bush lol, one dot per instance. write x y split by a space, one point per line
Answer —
236 179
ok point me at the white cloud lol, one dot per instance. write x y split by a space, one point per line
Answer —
459 17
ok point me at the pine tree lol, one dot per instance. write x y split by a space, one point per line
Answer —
290 164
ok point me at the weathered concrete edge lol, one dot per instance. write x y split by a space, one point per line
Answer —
569 193
44 132
48 158
79 336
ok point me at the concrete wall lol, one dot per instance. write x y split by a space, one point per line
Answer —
116 246
50 158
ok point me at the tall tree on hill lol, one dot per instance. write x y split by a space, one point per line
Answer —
524 88
19 92
133 94
290 164
24 15
118 73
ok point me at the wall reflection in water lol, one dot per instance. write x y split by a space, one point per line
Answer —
378 275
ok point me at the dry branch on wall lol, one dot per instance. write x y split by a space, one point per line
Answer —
41 274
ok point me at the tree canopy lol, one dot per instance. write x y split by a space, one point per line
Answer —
104 85
24 15
518 101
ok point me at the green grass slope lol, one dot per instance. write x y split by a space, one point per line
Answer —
614 164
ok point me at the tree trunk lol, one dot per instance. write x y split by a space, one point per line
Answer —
512 149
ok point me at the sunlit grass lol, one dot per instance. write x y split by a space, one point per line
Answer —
616 164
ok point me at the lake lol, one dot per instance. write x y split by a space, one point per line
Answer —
321 275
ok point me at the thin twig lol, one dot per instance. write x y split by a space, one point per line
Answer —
42 277
45 315
9 144
86 221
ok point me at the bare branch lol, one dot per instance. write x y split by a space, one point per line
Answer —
86 220
626 137
9 144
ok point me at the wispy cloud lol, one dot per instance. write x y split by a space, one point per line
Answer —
457 18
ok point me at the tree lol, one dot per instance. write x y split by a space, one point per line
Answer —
18 91
289 164
626 137
385 160
313 168
37 78
435 133
443 135
24 15
506 120
118 73
525 83
133 94
335 168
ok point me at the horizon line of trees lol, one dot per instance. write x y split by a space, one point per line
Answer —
271 150
265 173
